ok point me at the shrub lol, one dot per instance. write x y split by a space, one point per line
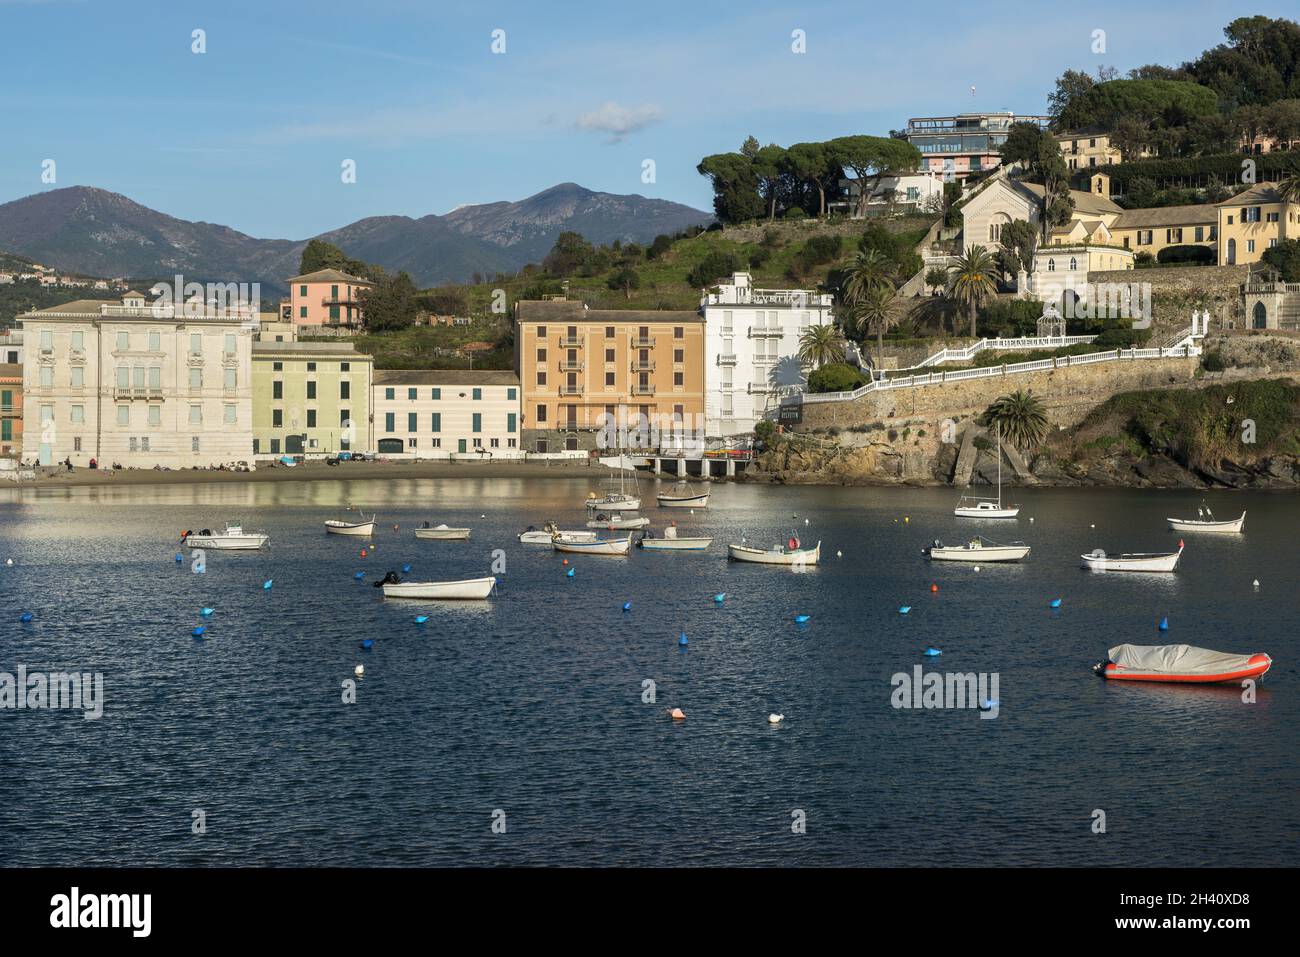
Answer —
714 266
794 212
759 256
835 377
1213 361
1121 337
1200 255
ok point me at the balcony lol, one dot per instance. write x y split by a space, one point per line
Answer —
643 342
759 388
766 332
647 366
577 365
726 359
570 342
137 393
570 390
640 389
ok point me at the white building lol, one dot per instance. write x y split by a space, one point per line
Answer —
447 413
751 351
11 346
136 384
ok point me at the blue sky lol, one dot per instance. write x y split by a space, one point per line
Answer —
252 133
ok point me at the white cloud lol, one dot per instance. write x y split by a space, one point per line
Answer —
618 121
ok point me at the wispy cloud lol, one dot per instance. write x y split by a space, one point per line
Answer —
618 121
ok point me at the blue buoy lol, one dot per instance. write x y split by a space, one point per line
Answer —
1056 603
627 606
266 585
801 618
26 616
366 643
198 632
905 609
682 640
931 652
1164 624
569 573
206 612
359 575
421 619
719 597
178 558
406 569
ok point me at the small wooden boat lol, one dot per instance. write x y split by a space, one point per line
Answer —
672 542
778 555
337 526
1099 561
600 546
976 550
615 522
232 537
442 533
1180 663
1205 522
543 535
681 495
469 588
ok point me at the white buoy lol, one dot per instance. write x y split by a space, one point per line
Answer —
1031 520
1256 584
1092 526
359 670
775 718
839 554
805 521
977 568
9 561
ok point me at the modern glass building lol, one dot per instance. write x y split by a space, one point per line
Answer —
958 146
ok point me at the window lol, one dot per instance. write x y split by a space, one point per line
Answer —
345 366
390 394
137 377
311 388
1074 264
311 418
436 443
1250 245
302 290
478 422
541 332
1200 234
1051 265
123 415
412 425
228 379
1271 217
345 390
277 366
478 443
436 395
510 422
678 332
1250 214
541 413
390 421
302 314
679 378
1144 237
541 378
510 443
477 395
78 341
47 377
275 446
123 341
123 377
277 389
194 443
410 394
134 444
679 355
411 443
230 415
345 418
155 378
78 415
334 292
277 418
155 415
435 423
510 394
78 377
228 346
257 446
542 446
609 355
609 332
196 342
609 379
541 355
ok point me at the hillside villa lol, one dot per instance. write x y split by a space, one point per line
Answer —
326 297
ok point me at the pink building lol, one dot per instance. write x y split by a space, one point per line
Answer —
325 297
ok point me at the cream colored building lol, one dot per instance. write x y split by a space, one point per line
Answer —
311 398
1087 150
137 384
1254 221
447 413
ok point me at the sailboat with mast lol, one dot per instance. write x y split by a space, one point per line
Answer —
974 506
616 496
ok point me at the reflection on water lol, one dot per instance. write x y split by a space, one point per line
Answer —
533 701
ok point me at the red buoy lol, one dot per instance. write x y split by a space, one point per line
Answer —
934 588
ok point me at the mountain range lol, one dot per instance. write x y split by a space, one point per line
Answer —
94 232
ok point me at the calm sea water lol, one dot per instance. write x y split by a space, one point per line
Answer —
531 703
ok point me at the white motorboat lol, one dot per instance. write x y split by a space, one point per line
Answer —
468 588
681 495
618 522
543 536
1099 561
976 550
1206 522
336 526
442 533
615 496
779 555
672 542
970 506
232 536
600 546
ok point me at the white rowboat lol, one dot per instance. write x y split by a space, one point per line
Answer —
613 546
671 542
681 496
618 522
1206 525
339 527
1099 561
780 555
442 533
977 550
475 588
231 538
615 502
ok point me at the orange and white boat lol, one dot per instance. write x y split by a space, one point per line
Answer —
1180 663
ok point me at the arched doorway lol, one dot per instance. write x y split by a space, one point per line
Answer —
1259 316
1232 252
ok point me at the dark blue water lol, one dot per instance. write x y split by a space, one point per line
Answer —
531 703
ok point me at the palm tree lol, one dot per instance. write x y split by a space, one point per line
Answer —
868 270
1289 187
972 280
1020 418
822 344
871 314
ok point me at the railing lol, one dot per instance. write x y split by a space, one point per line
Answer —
137 393
647 366
570 390
760 332
759 388
643 342
570 342
639 389
988 372
1032 342
575 365
726 359
793 298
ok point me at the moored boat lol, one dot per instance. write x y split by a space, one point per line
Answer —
336 526
468 588
615 522
1206 522
442 533
1180 663
682 495
778 555
600 546
672 542
543 535
232 537
977 550
1099 561
984 508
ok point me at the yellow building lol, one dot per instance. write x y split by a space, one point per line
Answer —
1087 150
1152 230
445 413
584 370
1251 222
311 398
